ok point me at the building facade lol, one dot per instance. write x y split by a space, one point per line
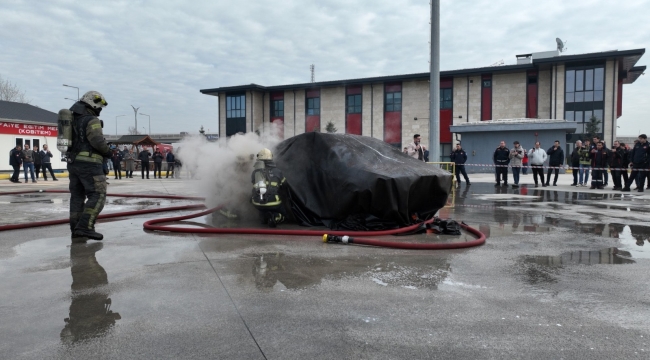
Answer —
22 124
544 85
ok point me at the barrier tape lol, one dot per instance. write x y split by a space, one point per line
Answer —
557 167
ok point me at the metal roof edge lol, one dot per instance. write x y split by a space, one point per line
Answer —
590 56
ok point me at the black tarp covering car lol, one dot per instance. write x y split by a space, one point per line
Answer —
356 182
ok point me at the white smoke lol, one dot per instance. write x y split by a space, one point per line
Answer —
222 170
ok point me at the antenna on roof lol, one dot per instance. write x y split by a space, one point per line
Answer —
561 45
498 63
312 68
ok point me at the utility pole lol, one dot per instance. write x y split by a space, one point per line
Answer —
116 123
312 68
434 84
149 121
135 110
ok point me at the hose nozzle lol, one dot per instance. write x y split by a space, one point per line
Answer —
337 239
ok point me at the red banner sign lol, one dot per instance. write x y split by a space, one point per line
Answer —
27 129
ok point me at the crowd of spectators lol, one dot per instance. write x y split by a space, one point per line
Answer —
589 156
121 162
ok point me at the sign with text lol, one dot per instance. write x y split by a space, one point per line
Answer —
27 129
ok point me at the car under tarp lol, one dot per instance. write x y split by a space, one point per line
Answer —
356 182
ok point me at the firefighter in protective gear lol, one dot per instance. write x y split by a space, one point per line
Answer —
85 165
267 184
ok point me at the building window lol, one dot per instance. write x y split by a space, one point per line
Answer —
394 101
235 114
235 106
277 108
585 85
446 99
393 114
313 106
584 93
354 104
312 110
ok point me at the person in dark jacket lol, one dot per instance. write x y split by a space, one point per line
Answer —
616 163
38 163
46 158
501 159
599 158
575 162
171 160
459 157
640 159
555 160
157 163
15 160
116 159
144 161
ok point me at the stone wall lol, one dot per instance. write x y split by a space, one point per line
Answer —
222 114
611 90
509 96
332 103
415 103
378 112
544 94
475 98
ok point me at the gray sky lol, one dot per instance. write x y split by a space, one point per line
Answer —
158 54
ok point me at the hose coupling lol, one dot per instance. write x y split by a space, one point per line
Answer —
337 239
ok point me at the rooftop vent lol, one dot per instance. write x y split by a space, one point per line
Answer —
528 58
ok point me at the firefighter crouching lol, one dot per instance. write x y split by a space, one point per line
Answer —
85 165
267 185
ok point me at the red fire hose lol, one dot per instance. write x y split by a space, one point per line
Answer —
150 225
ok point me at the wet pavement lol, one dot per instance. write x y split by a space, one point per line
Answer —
564 274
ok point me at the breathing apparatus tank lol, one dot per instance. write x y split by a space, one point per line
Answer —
64 137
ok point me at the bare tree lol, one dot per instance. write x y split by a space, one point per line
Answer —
11 92
133 130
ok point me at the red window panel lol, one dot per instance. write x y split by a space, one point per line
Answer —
312 93
353 124
353 89
531 94
393 127
393 87
312 123
445 123
277 95
279 127
486 97
446 83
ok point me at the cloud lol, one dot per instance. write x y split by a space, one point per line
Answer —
158 55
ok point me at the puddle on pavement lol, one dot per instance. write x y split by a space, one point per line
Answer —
543 269
278 271
612 256
90 314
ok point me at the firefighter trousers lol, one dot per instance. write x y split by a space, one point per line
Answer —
87 194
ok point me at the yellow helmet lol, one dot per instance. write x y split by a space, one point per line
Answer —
265 154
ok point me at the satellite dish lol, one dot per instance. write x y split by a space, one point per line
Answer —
560 45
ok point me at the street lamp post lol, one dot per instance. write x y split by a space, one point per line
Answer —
145 129
116 123
75 88
135 110
70 99
149 122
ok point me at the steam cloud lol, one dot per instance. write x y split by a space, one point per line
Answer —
222 169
